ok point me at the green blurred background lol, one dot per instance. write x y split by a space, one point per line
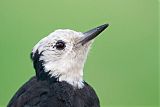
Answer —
123 63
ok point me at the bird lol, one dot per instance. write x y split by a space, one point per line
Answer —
58 60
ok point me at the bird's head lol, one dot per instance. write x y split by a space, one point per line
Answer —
62 54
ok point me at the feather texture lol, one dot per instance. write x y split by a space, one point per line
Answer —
37 93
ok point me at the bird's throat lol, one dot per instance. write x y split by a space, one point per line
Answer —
71 73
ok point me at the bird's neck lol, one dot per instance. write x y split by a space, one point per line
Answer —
67 70
39 68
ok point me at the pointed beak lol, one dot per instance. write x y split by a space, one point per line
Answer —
91 34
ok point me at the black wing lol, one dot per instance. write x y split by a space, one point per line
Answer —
36 93
29 94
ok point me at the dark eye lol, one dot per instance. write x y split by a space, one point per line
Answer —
60 45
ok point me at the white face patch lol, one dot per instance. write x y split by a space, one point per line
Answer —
67 64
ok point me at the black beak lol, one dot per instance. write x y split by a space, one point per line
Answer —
91 34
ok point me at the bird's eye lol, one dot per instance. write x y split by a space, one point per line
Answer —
60 45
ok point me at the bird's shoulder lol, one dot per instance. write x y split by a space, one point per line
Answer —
42 94
86 97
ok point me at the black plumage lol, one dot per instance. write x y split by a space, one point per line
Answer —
37 93
43 91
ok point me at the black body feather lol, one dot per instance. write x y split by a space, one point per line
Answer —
37 93
43 91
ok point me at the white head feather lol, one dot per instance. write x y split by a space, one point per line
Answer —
66 64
